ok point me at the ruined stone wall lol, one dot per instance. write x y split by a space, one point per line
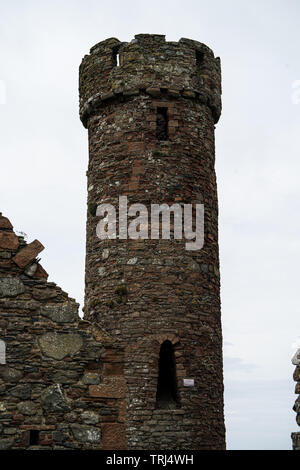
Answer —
61 384
144 292
296 435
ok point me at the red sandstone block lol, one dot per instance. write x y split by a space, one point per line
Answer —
122 411
37 427
46 442
113 369
113 436
163 104
40 273
5 223
133 185
9 241
137 168
28 253
113 355
113 387
135 146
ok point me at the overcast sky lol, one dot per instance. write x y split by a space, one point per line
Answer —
44 154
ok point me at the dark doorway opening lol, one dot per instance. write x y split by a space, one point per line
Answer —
34 437
167 393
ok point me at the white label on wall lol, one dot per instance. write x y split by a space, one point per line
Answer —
188 382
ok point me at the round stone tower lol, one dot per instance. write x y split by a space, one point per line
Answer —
150 107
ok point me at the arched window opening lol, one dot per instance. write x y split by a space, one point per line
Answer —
199 59
2 352
115 56
167 393
162 124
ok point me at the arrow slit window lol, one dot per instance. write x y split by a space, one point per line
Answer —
167 393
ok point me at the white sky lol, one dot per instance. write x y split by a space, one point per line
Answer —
43 149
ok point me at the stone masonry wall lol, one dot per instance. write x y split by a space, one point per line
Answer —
61 378
144 292
296 435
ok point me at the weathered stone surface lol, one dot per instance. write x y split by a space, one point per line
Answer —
11 375
30 270
90 417
61 313
296 440
296 375
11 287
91 378
54 401
8 241
6 444
58 345
27 254
2 386
86 434
27 408
22 391
2 407
44 293
296 407
296 358
66 376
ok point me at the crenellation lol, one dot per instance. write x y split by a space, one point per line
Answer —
150 65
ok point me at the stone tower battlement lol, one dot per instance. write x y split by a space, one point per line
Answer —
150 107
151 65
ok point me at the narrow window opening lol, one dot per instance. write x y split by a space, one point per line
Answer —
115 56
167 393
199 58
34 437
2 352
162 124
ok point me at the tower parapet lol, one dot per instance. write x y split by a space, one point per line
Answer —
152 65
